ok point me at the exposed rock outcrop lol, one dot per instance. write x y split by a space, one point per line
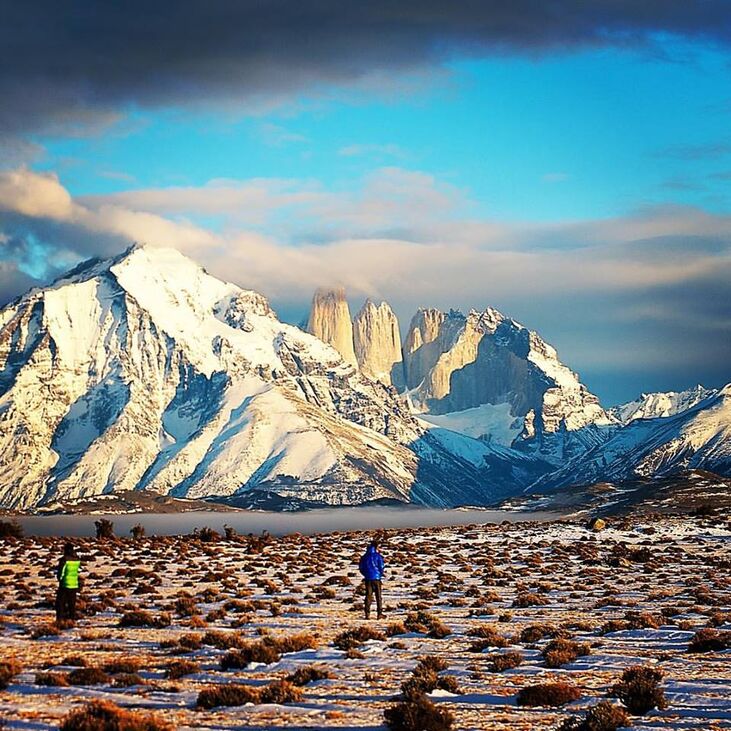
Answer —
377 343
330 322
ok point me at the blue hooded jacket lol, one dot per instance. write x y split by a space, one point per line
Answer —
371 564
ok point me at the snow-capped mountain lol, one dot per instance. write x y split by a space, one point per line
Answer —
652 405
697 438
490 377
144 372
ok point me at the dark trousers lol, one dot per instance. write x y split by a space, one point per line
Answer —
373 586
65 603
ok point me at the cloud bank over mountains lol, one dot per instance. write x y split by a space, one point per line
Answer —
407 237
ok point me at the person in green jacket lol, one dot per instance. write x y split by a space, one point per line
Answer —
68 584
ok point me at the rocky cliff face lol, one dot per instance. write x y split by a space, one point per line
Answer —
330 322
498 380
377 343
145 373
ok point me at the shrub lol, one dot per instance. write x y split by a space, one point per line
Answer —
46 629
186 606
548 694
106 716
222 640
710 640
122 665
604 716
206 534
536 632
280 691
10 529
418 714
77 661
180 668
528 599
559 652
88 676
639 689
426 623
267 650
227 695
395 628
143 618
8 669
53 680
137 531
127 680
104 529
505 661
354 638
308 674
432 662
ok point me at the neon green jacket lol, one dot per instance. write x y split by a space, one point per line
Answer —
69 574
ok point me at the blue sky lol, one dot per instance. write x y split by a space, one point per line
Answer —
582 186
580 135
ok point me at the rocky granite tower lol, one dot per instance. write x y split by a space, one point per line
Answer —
330 322
377 343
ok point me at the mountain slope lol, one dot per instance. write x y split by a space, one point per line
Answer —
698 438
144 372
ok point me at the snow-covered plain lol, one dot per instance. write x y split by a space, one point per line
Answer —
467 577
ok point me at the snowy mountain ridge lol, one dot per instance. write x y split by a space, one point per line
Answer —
144 372
660 404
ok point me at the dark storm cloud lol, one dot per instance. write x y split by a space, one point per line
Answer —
67 66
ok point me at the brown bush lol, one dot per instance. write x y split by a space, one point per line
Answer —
52 680
8 669
548 694
529 599
309 674
505 661
227 695
122 665
143 618
355 637
536 632
639 689
180 668
267 650
106 716
560 652
419 714
127 680
280 691
710 640
88 676
10 529
604 716
426 623
46 629
222 640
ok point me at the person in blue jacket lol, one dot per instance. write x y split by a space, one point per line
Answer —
371 566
